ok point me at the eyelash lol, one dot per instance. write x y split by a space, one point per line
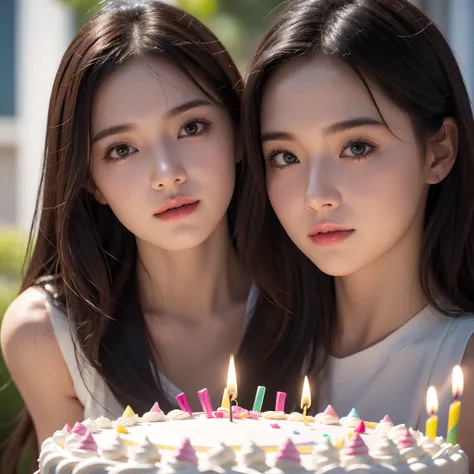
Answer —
270 157
199 120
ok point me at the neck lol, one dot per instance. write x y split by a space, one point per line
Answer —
380 298
192 284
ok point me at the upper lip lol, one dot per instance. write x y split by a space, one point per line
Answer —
174 202
327 227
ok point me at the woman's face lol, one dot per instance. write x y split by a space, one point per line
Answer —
346 188
163 154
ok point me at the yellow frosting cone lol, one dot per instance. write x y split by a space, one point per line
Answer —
128 413
121 429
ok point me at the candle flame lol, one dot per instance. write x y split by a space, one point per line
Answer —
306 395
458 382
431 401
232 380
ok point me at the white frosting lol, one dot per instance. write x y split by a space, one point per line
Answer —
274 415
91 425
326 419
113 448
296 416
144 452
153 416
384 427
349 422
59 437
71 441
256 443
179 415
126 421
325 455
103 422
388 454
221 456
252 456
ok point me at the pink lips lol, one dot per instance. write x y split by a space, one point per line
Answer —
176 208
328 234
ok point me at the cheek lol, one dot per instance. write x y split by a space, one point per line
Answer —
285 193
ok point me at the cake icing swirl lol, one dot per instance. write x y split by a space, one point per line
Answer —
274 415
144 452
91 425
351 420
356 452
185 457
221 456
288 457
103 422
327 417
179 415
324 455
86 448
253 456
113 448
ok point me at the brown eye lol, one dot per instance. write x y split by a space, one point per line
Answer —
120 152
194 128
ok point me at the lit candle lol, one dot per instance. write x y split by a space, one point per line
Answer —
305 398
455 407
431 408
259 396
231 385
225 400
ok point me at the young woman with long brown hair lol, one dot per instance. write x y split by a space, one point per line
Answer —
134 287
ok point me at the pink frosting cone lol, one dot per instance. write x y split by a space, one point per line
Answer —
88 443
288 452
356 446
331 412
67 428
406 441
360 428
386 419
79 429
186 453
155 408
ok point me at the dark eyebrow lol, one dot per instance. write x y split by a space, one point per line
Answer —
352 123
174 112
115 130
266 137
333 128
192 104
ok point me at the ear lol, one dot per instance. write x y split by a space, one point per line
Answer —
441 151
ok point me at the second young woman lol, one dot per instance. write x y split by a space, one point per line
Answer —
359 139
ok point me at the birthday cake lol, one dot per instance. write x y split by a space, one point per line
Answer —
270 442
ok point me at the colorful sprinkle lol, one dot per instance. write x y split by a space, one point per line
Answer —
275 425
326 436
295 432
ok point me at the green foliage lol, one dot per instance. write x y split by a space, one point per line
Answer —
12 251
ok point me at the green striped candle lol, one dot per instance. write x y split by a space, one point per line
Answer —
259 396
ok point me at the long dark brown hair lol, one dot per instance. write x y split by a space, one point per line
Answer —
89 254
394 45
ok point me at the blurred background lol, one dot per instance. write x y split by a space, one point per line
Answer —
33 36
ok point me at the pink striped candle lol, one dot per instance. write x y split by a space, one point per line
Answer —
280 401
183 403
205 402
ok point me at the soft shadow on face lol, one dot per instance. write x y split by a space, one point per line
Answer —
157 137
330 159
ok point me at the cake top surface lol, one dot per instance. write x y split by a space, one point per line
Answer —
271 441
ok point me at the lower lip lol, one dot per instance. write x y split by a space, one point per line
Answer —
178 212
331 238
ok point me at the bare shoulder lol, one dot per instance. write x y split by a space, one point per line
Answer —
26 322
36 364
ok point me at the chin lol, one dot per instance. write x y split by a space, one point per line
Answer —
337 267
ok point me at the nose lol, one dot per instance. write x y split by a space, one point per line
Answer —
168 171
321 193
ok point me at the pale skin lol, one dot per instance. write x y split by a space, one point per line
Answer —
168 139
330 158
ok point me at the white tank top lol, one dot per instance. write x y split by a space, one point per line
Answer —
99 400
392 377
